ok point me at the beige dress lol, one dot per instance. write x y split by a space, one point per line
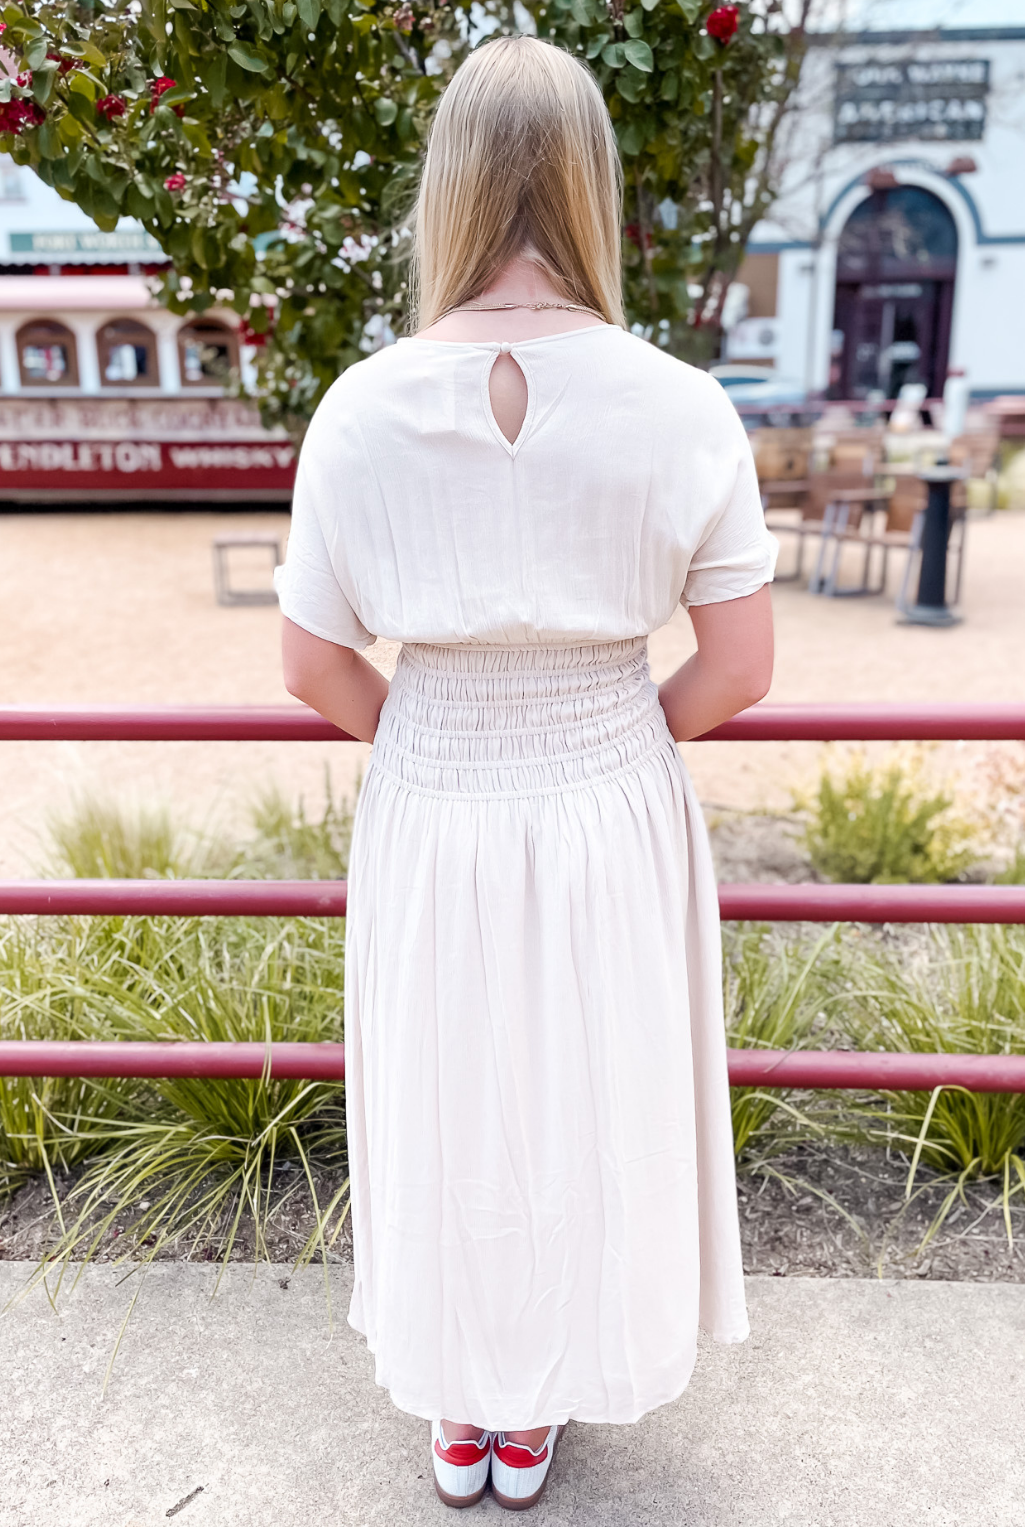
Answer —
539 1135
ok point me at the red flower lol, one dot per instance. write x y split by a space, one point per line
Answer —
110 106
64 64
249 336
14 115
161 87
633 233
404 18
24 81
175 182
722 23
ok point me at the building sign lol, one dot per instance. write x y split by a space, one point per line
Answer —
917 98
123 241
145 468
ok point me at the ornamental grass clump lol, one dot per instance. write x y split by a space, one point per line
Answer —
187 1160
967 996
773 991
98 840
42 1119
187 1163
884 826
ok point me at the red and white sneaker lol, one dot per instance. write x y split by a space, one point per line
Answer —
460 1468
518 1473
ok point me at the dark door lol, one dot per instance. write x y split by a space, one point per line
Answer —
893 333
894 295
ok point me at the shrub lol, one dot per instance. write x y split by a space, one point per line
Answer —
883 826
773 992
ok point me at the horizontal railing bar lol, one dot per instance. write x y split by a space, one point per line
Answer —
169 723
176 1058
327 898
872 903
175 898
293 723
874 723
875 1071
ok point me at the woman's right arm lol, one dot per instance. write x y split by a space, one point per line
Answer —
731 669
334 681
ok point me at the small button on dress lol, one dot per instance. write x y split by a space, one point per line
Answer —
543 1198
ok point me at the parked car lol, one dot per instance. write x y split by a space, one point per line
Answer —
759 385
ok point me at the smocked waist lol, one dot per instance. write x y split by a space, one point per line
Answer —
517 720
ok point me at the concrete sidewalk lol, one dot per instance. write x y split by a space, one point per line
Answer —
854 1404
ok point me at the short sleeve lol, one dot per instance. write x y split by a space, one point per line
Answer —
735 555
307 582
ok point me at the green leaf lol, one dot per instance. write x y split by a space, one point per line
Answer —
614 55
631 84
640 55
178 96
632 138
91 53
633 23
581 12
691 9
309 13
195 132
385 110
137 204
212 72
81 83
649 5
35 53
246 58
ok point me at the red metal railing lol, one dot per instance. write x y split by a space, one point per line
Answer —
879 1071
770 903
293 723
327 898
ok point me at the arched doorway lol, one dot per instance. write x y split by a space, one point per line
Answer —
895 269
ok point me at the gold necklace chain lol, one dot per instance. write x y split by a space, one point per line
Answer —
533 307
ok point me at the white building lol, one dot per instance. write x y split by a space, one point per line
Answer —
896 249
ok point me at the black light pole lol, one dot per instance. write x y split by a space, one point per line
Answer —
930 607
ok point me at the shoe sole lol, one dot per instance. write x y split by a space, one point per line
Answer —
459 1501
527 1501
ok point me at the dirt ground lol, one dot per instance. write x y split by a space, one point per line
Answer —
103 609
814 1213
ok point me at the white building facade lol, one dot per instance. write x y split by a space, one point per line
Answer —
895 251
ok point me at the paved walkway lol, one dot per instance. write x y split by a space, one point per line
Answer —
854 1404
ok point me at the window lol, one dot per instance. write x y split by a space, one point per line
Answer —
47 354
12 185
208 352
128 354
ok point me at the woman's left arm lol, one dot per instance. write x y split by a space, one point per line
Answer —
335 681
731 669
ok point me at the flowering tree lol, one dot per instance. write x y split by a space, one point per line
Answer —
699 99
272 146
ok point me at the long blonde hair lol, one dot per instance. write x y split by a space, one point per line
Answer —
522 158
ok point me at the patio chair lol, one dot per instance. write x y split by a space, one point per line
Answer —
827 501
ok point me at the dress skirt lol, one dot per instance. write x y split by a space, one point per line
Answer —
543 1199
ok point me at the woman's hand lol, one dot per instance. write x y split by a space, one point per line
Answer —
731 669
335 681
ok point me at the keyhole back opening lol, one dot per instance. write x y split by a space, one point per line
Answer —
507 390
